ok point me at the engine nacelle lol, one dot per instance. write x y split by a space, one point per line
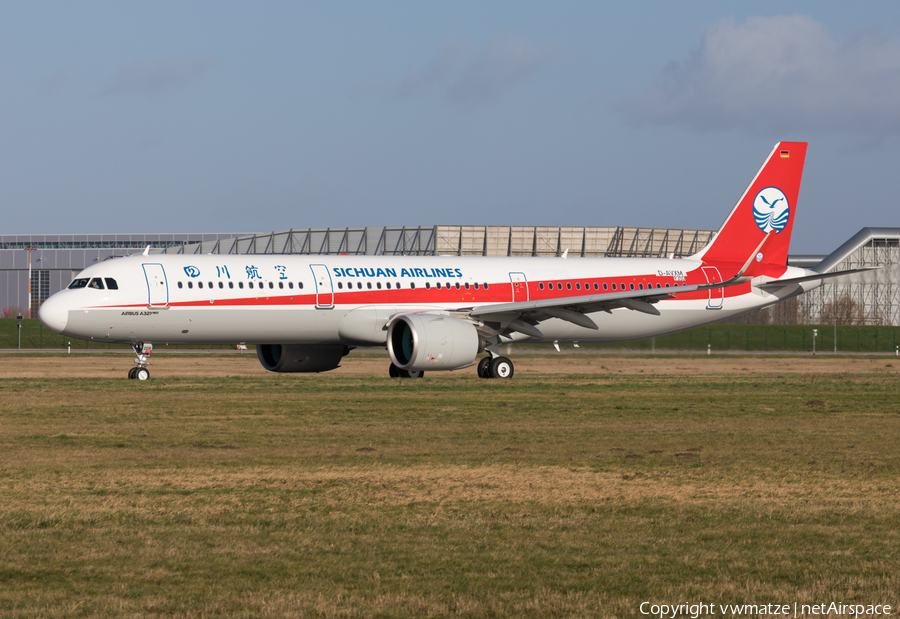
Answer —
299 358
432 342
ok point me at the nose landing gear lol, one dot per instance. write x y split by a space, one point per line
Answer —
141 371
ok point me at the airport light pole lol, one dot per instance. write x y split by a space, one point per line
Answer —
29 250
19 329
815 333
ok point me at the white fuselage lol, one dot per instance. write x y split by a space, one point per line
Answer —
293 299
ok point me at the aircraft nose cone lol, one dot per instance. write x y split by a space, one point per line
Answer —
54 314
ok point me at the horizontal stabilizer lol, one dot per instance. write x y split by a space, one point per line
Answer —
780 283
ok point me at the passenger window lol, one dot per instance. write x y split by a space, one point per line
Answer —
300 285
605 287
359 285
190 284
180 285
369 285
614 286
378 285
340 286
667 285
577 286
249 284
427 285
476 285
199 284
541 285
96 284
596 286
281 285
111 283
271 285
397 285
568 286
467 285
241 285
457 285
209 284
559 285
389 285
632 286
438 285
485 286
412 285
221 285
231 284
641 286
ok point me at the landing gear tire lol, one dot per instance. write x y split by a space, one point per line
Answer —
131 373
142 374
484 368
396 372
501 367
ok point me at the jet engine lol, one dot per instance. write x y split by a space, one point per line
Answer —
299 357
432 342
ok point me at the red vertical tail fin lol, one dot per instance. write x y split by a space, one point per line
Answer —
768 205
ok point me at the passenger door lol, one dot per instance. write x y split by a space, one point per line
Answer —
324 289
716 295
157 287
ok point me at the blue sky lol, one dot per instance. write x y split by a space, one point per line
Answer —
224 116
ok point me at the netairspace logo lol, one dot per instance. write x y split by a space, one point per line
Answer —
671 611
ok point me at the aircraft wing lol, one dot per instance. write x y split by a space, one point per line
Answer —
524 316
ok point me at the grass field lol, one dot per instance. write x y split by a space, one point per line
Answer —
216 489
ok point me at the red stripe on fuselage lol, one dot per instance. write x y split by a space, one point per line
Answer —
495 292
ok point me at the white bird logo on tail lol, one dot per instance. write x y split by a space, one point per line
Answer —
771 210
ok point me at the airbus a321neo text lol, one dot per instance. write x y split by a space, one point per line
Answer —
438 313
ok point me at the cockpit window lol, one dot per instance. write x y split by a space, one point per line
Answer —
96 284
111 283
79 283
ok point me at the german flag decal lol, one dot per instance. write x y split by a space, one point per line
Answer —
785 154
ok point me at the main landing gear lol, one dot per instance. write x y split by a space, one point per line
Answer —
495 367
396 372
141 372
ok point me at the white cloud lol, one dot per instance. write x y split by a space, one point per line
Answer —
153 76
773 74
465 75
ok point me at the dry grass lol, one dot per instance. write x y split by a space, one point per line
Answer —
350 495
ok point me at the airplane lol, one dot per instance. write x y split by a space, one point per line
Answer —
439 313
